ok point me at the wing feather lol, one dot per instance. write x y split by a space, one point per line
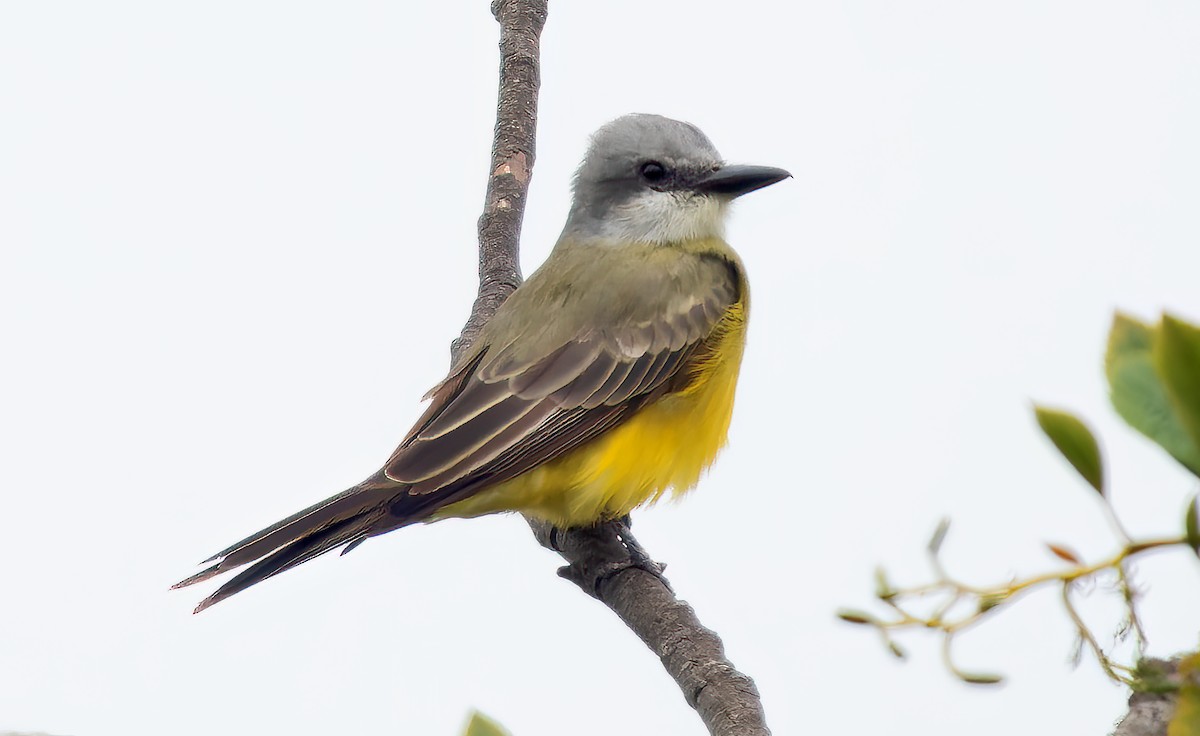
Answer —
514 408
423 459
600 395
550 374
580 391
636 340
512 404
502 442
476 398
663 370
637 376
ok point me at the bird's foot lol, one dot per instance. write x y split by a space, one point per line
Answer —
621 552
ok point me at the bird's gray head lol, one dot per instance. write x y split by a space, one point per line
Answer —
648 178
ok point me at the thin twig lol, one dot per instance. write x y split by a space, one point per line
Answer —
1110 667
980 602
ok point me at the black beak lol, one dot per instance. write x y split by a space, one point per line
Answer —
734 181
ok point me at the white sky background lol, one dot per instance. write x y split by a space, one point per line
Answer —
238 237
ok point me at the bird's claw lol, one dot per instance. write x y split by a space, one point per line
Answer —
593 579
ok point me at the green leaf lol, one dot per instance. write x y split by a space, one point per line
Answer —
1154 676
883 587
481 725
939 535
990 601
1186 721
1138 394
1177 357
1191 525
980 678
854 616
1076 443
1128 335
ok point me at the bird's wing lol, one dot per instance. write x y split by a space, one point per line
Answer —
505 413
512 405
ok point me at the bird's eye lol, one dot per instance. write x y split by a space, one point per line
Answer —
653 171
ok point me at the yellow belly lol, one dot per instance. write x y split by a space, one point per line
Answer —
666 445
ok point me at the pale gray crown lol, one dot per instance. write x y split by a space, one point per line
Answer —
614 171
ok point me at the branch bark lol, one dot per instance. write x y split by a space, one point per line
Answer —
604 560
609 564
513 153
1150 712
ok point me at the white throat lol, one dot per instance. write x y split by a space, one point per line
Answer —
665 217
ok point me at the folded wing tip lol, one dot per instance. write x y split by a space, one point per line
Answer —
207 602
199 577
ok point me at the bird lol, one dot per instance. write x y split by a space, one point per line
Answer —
606 379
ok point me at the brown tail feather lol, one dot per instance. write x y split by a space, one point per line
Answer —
283 531
299 551
347 517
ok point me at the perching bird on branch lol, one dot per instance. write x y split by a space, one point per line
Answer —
604 380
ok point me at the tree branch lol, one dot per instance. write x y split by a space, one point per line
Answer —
605 560
1150 711
609 564
513 152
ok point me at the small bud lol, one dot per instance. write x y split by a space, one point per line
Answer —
883 587
1063 553
939 536
851 616
980 678
1191 525
988 602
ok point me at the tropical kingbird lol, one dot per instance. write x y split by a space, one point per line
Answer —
604 380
